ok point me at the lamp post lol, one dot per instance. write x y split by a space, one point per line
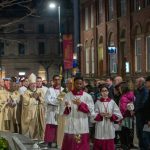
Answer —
54 5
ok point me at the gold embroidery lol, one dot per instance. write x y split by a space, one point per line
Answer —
77 138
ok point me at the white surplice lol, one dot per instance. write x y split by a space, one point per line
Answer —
22 89
105 129
52 103
77 121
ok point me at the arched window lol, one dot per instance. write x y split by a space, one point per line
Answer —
87 58
92 58
124 52
112 55
100 55
21 49
147 2
123 7
110 9
92 16
148 47
1 48
99 11
138 5
138 49
86 18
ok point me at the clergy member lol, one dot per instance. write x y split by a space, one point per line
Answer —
53 105
33 112
8 99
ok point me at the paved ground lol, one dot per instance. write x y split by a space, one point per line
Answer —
23 141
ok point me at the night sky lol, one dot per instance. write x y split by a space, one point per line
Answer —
16 10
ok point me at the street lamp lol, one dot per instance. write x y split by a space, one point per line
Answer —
54 5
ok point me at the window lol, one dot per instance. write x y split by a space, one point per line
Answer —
41 48
41 28
138 5
92 59
147 2
86 19
138 55
20 28
148 52
113 63
21 49
100 10
123 7
92 17
110 10
1 48
1 30
87 59
100 6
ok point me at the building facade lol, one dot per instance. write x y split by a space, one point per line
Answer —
116 38
33 44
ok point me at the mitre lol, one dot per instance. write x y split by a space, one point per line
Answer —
32 78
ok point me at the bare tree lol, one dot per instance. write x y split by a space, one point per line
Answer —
24 4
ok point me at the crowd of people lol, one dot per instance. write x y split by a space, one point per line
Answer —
110 113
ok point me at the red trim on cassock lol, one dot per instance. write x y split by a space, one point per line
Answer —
98 118
105 99
67 110
75 92
113 118
83 107
50 133
69 142
104 144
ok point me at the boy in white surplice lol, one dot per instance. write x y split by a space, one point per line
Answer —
78 105
107 112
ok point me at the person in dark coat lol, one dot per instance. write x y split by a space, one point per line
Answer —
109 82
146 115
141 94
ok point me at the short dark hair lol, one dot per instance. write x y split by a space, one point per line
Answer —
39 78
148 78
124 87
109 77
78 78
13 79
103 86
56 75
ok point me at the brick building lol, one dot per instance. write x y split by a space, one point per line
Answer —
116 38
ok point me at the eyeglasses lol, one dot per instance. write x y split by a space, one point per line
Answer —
104 91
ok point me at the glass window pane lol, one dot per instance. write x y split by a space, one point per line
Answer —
123 7
86 19
41 48
93 62
110 13
92 17
21 49
148 52
113 64
41 28
87 61
138 55
1 48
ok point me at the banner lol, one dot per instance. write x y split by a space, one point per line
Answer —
67 51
